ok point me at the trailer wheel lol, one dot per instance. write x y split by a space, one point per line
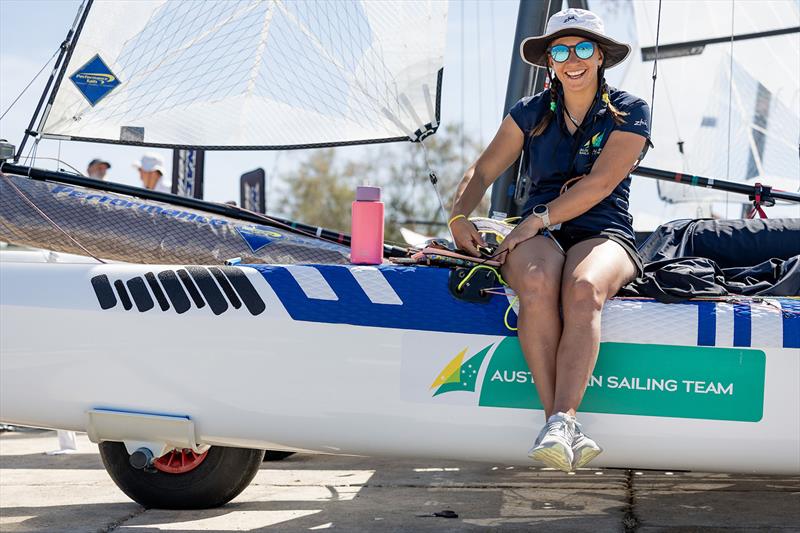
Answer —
204 481
274 455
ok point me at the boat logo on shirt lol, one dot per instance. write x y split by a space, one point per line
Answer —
594 143
640 122
94 80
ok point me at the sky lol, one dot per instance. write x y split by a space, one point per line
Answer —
477 58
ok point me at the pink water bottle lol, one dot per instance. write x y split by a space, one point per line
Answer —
366 245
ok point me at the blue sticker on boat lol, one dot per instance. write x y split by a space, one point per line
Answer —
95 80
257 236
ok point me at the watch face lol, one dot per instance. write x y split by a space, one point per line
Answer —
540 209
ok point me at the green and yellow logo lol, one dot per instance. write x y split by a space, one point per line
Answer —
458 375
595 141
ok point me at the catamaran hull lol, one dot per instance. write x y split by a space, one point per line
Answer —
385 361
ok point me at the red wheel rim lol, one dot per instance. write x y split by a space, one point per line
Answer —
179 461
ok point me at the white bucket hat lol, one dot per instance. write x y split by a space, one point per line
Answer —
151 162
573 22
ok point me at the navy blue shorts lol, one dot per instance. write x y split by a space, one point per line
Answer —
567 237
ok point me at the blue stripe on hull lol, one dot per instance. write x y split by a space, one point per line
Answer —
706 324
742 325
791 323
427 304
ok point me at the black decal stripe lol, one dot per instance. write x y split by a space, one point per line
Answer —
141 297
157 292
191 288
226 286
175 292
209 289
246 291
123 295
104 292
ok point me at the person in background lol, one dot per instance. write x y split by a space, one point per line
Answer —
151 172
97 169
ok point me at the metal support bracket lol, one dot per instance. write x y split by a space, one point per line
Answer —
158 433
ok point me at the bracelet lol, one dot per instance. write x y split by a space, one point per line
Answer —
450 222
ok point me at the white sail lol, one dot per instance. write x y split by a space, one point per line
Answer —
239 73
727 112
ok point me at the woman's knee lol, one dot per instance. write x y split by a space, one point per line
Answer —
533 281
583 295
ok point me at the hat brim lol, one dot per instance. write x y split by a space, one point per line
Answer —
158 168
534 49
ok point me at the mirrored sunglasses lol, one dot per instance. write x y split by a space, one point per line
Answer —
583 50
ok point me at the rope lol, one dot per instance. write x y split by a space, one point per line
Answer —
655 66
30 83
730 110
434 179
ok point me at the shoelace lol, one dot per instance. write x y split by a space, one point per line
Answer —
558 427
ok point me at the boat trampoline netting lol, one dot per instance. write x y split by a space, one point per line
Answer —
125 228
227 74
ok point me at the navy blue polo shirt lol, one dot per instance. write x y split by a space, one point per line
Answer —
555 155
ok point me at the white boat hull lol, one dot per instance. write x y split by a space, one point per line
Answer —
345 360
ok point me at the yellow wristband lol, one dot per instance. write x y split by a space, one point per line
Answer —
455 218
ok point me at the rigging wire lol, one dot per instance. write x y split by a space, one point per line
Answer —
480 77
730 110
495 77
434 181
655 66
78 172
463 58
31 82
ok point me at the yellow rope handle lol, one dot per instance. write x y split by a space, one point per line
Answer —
502 281
475 269
505 317
450 222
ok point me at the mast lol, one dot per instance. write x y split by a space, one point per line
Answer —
523 80
58 69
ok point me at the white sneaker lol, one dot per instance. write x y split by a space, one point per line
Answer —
554 447
584 449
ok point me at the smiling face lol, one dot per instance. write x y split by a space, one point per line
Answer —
575 74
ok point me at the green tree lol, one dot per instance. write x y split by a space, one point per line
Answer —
320 192
408 193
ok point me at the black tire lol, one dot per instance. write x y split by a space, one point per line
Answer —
273 455
223 474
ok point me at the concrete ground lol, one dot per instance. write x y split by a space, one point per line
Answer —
65 493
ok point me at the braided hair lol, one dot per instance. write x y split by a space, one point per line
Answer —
548 117
616 114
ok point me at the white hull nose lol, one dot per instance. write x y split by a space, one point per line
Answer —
384 361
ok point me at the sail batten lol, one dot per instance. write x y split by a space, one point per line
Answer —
224 74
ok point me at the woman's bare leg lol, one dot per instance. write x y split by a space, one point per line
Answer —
594 271
533 270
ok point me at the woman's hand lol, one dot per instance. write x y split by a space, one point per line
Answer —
525 230
466 236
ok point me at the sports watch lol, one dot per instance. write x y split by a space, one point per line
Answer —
542 212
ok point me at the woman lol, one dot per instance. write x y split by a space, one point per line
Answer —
574 248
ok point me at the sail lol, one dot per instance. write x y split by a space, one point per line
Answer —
247 74
723 111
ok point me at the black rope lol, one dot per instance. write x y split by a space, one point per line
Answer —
31 82
655 67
